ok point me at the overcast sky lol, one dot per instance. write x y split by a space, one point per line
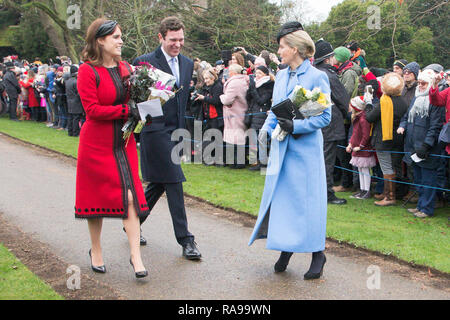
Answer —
318 10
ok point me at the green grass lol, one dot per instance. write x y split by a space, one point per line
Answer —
19 283
389 230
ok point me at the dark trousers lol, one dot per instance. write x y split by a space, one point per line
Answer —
13 108
175 199
73 124
329 152
344 159
427 196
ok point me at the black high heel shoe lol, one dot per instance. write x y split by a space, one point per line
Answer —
100 269
310 275
139 274
283 261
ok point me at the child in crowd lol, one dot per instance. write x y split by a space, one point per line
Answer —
360 147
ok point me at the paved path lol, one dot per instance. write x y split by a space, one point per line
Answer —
37 191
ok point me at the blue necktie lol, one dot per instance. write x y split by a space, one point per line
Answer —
174 68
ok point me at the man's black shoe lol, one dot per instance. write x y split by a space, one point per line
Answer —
336 200
142 240
190 251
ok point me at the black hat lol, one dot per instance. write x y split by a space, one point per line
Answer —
353 46
73 70
263 69
9 64
323 50
400 63
287 28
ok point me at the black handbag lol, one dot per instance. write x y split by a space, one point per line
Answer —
286 110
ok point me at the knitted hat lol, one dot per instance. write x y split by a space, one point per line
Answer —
73 70
427 76
60 69
435 67
357 103
413 67
342 54
263 69
400 63
324 50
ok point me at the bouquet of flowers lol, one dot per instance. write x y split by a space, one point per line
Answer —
309 104
146 83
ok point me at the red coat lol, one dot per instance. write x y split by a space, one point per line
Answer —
361 136
106 169
442 99
32 101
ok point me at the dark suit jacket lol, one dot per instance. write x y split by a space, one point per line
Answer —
156 145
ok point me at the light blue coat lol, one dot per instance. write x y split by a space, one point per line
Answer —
293 211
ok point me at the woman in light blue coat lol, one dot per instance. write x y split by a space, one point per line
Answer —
293 210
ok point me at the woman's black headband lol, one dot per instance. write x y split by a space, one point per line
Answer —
287 28
106 29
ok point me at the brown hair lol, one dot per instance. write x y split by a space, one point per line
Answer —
92 51
239 58
170 23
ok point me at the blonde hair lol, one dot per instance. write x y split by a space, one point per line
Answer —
236 68
210 72
302 41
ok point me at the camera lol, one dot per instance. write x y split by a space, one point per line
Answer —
236 49
194 95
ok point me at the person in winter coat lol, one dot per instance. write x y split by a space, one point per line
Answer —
293 210
360 147
49 83
12 88
235 107
398 66
107 182
335 131
422 125
410 74
259 99
61 99
211 114
74 106
348 71
385 117
441 99
33 103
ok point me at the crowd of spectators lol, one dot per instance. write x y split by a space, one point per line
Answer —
387 124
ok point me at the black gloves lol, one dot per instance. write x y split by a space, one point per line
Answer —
423 150
286 124
133 112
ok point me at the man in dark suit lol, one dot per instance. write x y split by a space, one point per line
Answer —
335 131
155 139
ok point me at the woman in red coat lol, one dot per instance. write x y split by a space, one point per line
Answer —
108 184
33 103
441 99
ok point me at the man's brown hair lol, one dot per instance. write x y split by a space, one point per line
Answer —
170 23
